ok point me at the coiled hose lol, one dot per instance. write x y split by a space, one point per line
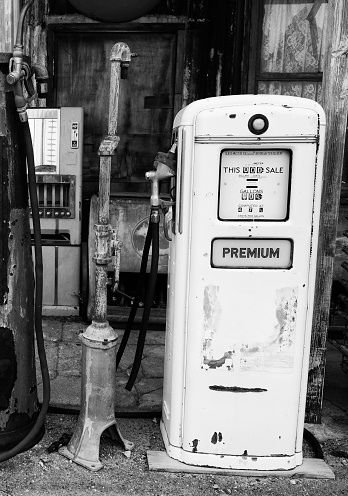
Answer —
30 438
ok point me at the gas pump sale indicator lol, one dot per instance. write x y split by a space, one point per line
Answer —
254 184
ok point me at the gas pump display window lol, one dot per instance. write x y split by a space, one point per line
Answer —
254 184
44 127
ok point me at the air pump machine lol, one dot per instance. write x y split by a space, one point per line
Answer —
241 280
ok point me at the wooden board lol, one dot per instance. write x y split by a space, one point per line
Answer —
9 13
312 468
146 97
334 100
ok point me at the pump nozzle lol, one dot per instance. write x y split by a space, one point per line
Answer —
21 73
168 159
164 168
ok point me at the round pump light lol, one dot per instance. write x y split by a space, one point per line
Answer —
114 10
258 124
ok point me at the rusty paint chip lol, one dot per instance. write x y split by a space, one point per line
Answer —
194 445
236 389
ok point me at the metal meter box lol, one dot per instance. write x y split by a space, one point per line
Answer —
57 135
241 280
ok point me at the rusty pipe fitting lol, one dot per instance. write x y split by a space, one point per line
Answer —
41 77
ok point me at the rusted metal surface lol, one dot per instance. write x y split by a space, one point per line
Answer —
99 339
97 404
120 57
18 395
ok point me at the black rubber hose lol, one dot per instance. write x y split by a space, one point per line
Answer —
313 441
147 306
27 442
138 294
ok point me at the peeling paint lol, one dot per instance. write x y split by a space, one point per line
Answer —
211 309
216 437
186 85
236 340
195 446
219 74
236 389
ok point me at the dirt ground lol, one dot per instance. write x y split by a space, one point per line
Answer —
39 472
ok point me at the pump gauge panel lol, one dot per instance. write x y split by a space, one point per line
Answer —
254 184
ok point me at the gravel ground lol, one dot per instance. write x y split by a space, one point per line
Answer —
39 472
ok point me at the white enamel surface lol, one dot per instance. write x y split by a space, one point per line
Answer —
237 341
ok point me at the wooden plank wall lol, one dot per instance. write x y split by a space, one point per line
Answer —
195 62
207 54
9 13
145 103
335 93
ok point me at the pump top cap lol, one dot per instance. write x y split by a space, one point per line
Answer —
114 10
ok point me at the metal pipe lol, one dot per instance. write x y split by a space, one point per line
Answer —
41 77
99 339
19 36
120 56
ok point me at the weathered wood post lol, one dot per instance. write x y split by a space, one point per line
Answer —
335 103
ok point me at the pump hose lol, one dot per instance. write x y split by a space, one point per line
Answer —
137 297
313 441
27 442
147 306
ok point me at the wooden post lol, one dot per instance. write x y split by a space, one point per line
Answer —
335 103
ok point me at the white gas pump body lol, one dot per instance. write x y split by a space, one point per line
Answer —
241 282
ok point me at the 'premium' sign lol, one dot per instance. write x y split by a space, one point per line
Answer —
251 253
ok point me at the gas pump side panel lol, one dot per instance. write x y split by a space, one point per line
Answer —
177 291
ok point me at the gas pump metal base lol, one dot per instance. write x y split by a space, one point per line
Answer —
236 462
97 398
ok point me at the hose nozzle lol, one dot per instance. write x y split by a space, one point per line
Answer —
164 168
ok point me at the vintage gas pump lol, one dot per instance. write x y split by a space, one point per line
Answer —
21 420
241 280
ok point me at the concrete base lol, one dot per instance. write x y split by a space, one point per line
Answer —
312 468
59 311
